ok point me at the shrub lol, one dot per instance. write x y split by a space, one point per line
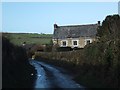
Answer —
16 70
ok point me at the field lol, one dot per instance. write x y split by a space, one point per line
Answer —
29 38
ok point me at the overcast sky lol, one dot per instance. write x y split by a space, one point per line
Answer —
39 17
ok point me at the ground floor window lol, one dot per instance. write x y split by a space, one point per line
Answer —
88 41
64 43
74 42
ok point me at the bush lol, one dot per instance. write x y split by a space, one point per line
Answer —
16 70
59 49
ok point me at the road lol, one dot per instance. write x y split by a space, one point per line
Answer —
49 76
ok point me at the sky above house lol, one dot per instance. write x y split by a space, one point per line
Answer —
39 17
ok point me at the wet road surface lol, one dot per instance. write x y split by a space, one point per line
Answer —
49 76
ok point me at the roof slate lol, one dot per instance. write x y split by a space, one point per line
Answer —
75 31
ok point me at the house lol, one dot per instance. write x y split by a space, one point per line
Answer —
74 35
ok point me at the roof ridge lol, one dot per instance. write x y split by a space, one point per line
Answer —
77 25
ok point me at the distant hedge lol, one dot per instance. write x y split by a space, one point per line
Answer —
59 49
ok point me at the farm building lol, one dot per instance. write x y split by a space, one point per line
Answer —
74 35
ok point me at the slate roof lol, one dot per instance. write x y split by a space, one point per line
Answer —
75 31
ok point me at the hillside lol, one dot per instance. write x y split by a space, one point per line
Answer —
29 38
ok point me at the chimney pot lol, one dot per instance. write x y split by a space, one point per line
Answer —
55 26
98 22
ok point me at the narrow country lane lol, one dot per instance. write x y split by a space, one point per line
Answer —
49 76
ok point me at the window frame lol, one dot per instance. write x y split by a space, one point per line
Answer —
87 40
62 43
73 43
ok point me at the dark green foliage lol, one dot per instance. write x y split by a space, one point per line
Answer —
110 28
59 49
48 48
104 55
16 70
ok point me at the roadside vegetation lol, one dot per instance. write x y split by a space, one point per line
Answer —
16 70
98 64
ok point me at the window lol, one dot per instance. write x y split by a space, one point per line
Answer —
74 42
88 41
64 43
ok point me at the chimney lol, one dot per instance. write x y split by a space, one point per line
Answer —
55 26
99 23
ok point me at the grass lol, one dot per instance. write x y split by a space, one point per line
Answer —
29 38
